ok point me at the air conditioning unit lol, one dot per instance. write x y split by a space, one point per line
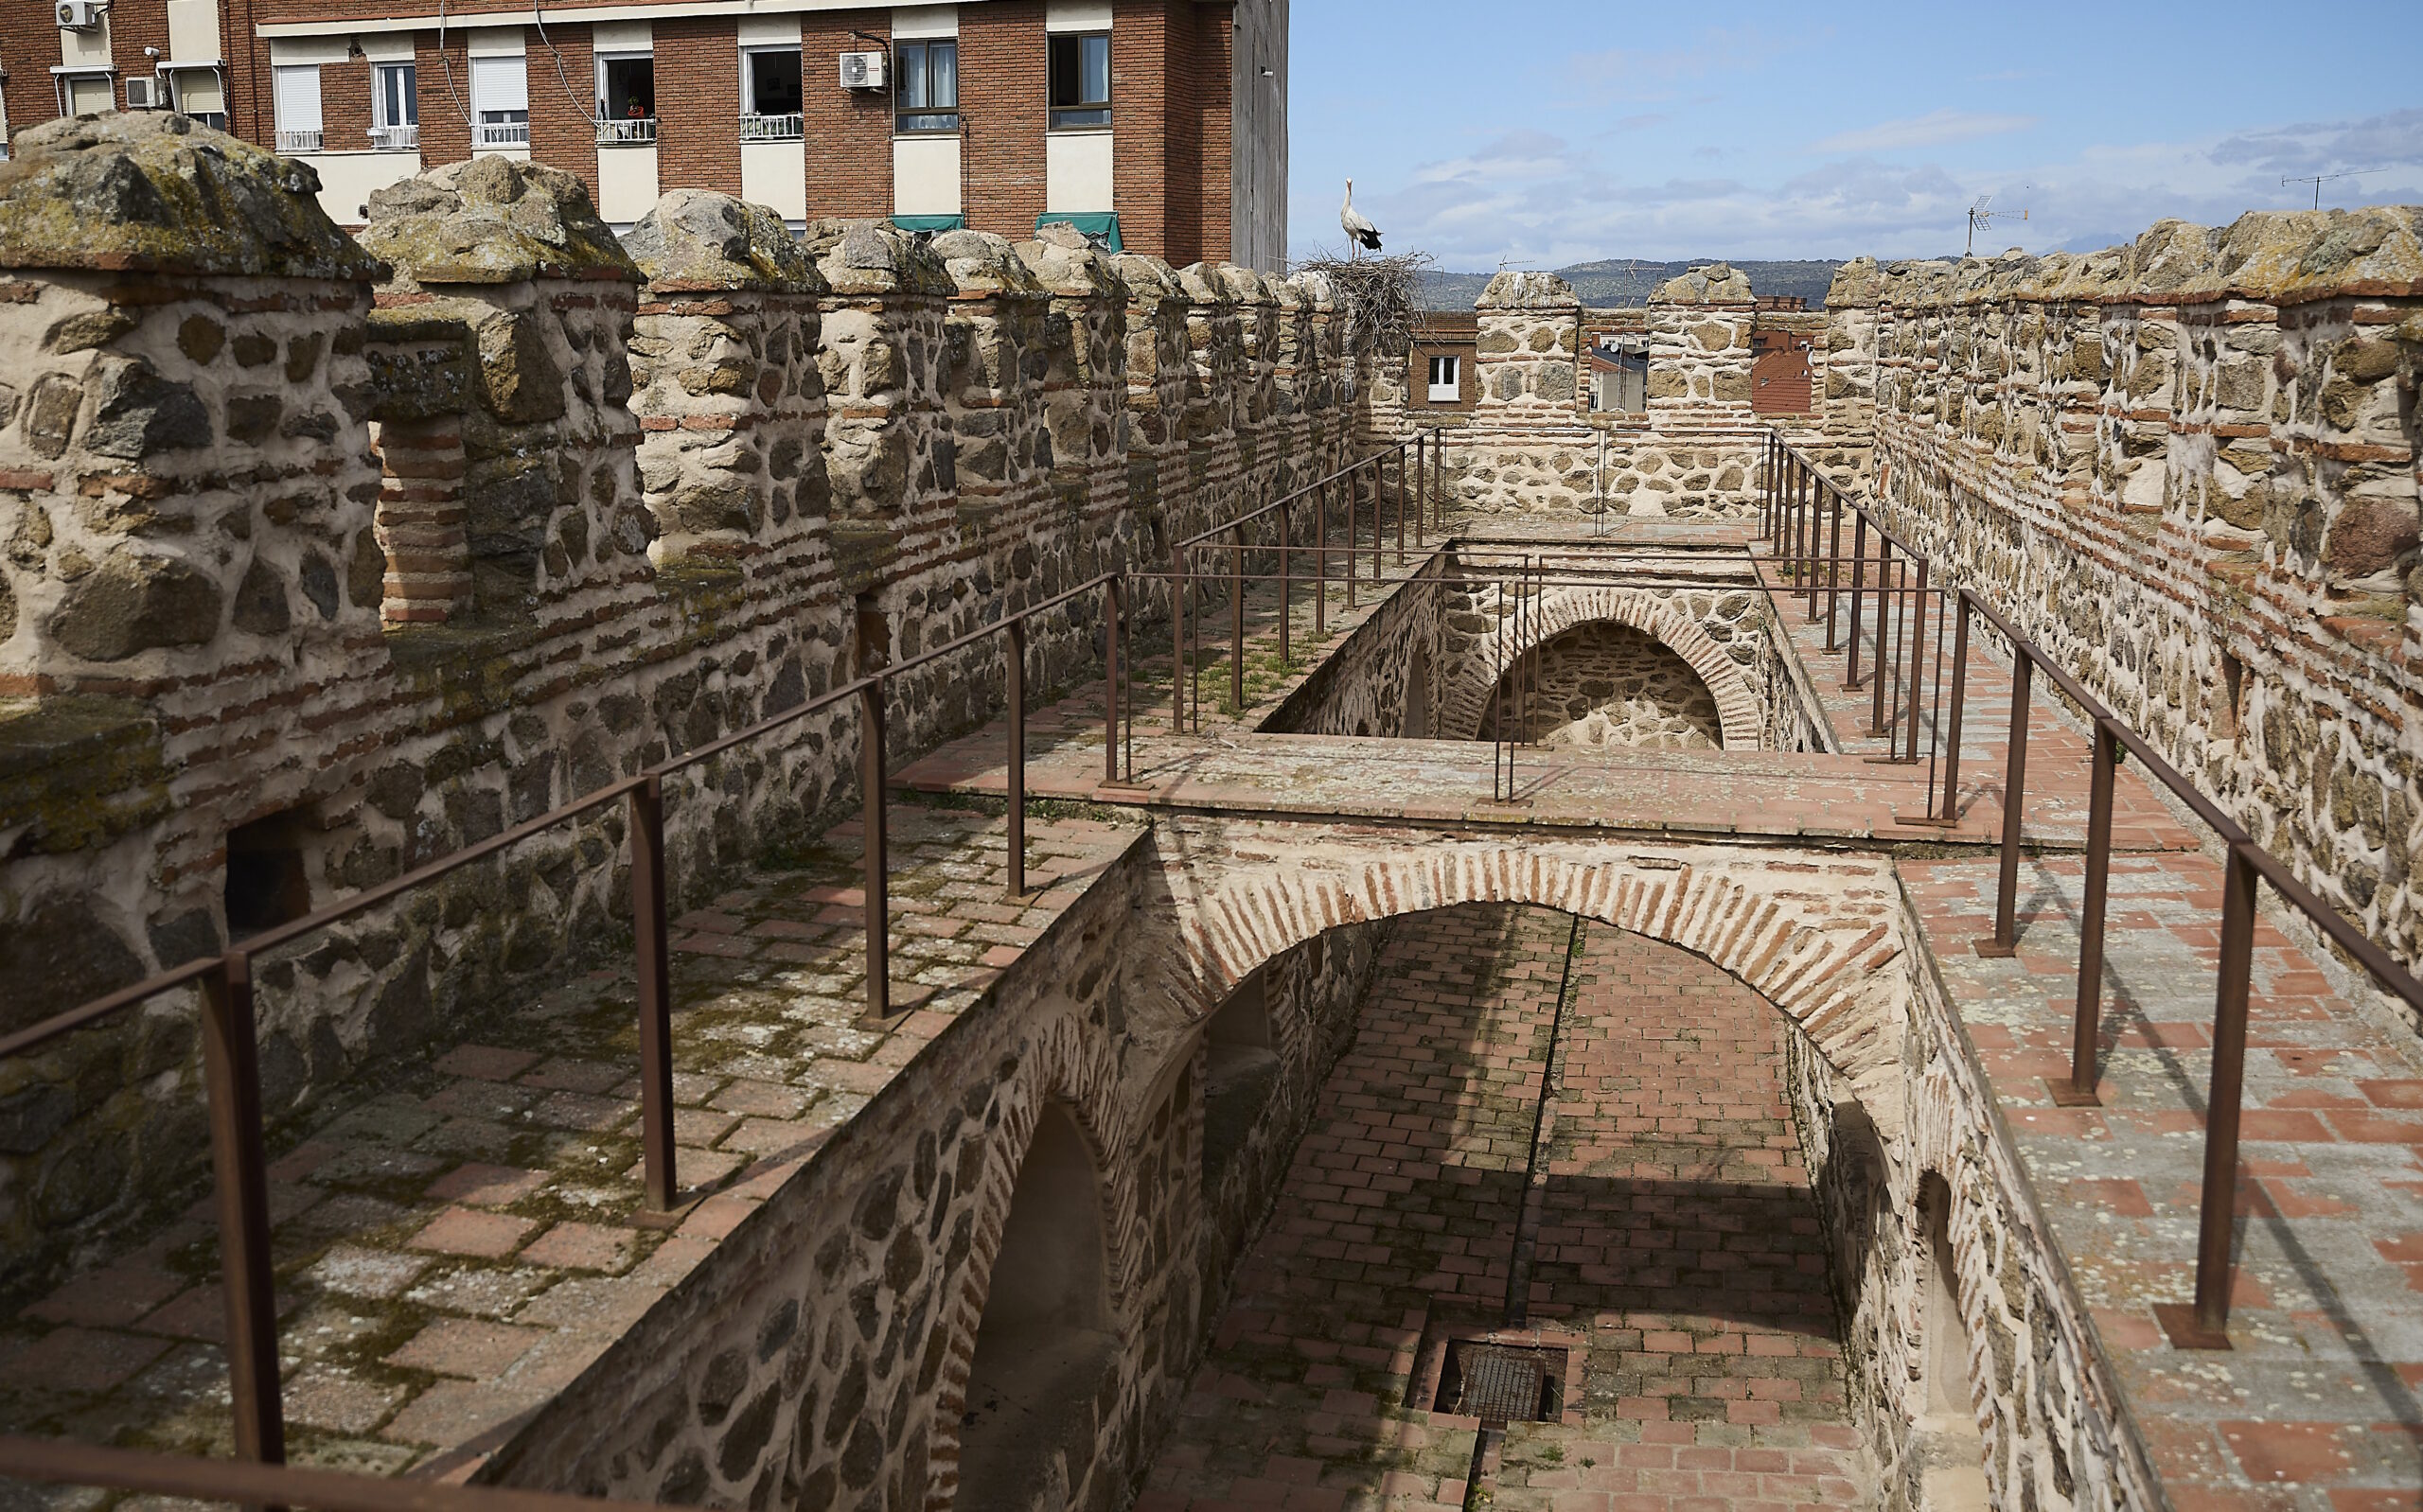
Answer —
859 70
146 93
80 15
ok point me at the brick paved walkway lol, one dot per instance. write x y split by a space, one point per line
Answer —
2319 1403
455 1248
1667 1239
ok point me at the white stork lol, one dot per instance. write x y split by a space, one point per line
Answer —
1360 232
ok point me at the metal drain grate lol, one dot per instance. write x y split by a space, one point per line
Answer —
1500 1384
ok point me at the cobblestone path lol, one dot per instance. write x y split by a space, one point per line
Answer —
1664 1240
456 1245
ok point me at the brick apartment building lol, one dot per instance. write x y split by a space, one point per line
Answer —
1157 125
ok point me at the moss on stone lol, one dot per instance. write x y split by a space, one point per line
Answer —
158 192
494 221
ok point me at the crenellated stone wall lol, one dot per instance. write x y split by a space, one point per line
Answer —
2187 468
391 545
1532 445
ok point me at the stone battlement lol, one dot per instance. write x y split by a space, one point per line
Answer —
326 557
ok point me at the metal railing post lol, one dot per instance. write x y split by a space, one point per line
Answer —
1859 578
1399 499
876 862
1110 597
2005 941
1353 488
1237 627
1181 665
232 1085
1879 674
1834 573
1959 701
1420 487
655 968
1015 694
1917 658
2208 1328
1320 557
1808 537
2086 1018
1285 661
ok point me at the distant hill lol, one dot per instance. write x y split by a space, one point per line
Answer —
1615 282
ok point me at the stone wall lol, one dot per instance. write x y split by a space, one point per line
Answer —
820 1357
394 550
1532 445
2044 1398
2187 468
1604 684
1385 678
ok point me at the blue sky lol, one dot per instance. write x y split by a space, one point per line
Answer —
1539 133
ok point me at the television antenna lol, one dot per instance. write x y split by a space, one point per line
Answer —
1980 214
2318 180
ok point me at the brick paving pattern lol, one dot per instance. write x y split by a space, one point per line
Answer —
2319 1403
1669 1239
454 1248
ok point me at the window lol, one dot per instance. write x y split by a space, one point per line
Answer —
501 102
1446 379
199 94
86 93
928 90
771 96
626 98
395 106
1080 69
296 88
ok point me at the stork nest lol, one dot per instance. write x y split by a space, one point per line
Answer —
1381 295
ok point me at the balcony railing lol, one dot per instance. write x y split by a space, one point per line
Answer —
788 128
639 131
394 138
502 133
299 141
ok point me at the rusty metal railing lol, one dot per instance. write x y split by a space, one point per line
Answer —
230 1051
1800 506
231 1071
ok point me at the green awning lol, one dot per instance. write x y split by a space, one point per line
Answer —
931 222
1102 225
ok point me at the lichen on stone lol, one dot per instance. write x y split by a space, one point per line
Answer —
494 221
157 192
1523 289
700 239
1718 282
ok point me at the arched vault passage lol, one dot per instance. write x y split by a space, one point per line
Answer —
1565 609
1818 935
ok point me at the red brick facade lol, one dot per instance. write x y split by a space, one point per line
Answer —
1170 102
563 133
1002 101
849 132
698 104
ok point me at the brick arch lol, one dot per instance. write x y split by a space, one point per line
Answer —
1819 937
1068 1065
1558 610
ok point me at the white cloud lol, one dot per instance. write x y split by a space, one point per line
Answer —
1541 200
1934 129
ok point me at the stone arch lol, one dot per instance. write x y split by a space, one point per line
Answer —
1070 1075
1046 1335
1817 936
1948 1447
1566 608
